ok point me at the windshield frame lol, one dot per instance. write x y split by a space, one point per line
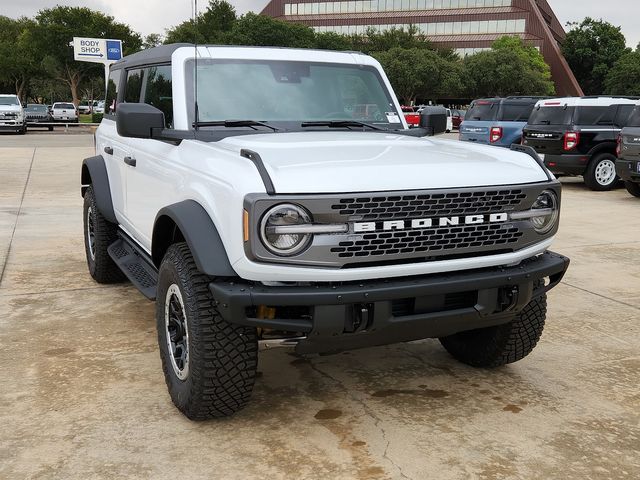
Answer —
293 125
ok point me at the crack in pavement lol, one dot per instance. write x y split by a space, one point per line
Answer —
367 410
600 295
15 224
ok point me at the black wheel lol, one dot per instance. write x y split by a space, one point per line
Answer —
601 173
495 346
22 131
99 233
51 129
209 365
633 188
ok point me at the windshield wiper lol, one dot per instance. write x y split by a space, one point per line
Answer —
341 124
235 123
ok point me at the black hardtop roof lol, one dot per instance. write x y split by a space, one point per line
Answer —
524 100
162 53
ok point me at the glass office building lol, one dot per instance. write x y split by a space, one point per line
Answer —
467 26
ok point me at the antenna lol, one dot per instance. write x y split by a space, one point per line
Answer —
195 74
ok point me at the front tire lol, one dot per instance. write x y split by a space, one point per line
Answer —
601 173
496 346
209 365
99 233
633 188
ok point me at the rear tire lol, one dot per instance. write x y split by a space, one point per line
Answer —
209 365
633 188
99 233
601 173
496 346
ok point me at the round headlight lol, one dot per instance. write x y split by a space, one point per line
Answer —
547 203
277 229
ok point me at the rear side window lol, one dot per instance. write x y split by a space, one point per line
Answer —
482 111
595 115
113 85
157 91
134 86
551 116
515 113
634 119
622 117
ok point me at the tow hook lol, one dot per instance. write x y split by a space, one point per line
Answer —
509 298
360 319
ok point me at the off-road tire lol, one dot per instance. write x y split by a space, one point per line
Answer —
590 177
50 129
633 188
496 346
101 267
222 357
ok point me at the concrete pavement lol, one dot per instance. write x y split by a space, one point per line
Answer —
82 394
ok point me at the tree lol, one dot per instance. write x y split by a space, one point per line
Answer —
332 41
212 25
624 77
18 59
419 72
254 29
591 49
152 40
382 41
509 68
57 26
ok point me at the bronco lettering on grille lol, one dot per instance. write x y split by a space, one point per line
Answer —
418 223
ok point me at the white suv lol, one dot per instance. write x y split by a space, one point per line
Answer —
12 116
268 207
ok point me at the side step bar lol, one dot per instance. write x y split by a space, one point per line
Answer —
136 265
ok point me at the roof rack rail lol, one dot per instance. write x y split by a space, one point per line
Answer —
627 97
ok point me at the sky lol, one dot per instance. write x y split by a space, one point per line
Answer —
155 16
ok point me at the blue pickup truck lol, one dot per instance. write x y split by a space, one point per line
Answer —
497 121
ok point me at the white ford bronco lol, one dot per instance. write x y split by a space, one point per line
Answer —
270 196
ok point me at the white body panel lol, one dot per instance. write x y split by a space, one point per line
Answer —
218 178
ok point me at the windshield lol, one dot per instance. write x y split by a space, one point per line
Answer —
36 108
515 112
482 111
12 100
284 91
551 116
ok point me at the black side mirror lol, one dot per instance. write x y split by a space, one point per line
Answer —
136 120
434 120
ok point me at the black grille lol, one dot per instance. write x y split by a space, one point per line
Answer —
425 205
428 240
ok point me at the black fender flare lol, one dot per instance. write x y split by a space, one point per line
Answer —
199 232
94 173
604 147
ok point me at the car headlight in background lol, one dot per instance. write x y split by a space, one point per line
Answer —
543 214
282 229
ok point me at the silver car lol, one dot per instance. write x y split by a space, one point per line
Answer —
64 112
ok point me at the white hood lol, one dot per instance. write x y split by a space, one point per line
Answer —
341 162
10 108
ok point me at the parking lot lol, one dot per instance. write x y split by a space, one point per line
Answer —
83 395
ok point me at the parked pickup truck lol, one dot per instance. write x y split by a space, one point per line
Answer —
280 215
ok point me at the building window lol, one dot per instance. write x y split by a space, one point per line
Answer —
358 6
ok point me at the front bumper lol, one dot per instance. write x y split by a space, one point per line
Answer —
628 170
336 317
568 164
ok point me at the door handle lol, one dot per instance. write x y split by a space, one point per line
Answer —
108 150
130 161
